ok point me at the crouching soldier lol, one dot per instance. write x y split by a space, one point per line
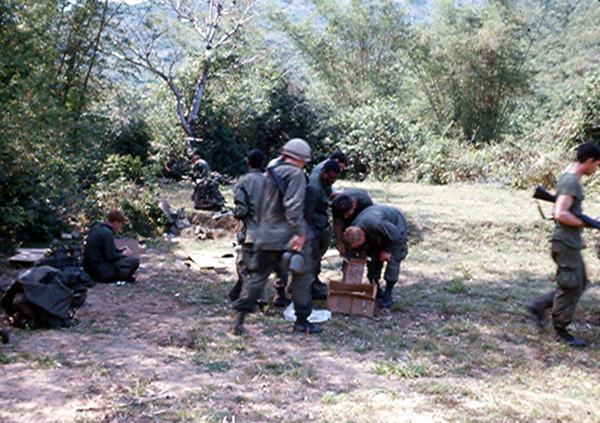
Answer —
101 258
346 207
382 232
281 228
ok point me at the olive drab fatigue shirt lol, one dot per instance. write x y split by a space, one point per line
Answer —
317 202
281 214
246 196
568 184
100 252
363 200
385 229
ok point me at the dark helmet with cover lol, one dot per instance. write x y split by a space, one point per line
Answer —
298 149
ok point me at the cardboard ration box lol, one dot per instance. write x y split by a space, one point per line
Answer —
351 298
131 243
354 270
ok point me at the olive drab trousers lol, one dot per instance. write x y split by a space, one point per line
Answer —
264 262
571 281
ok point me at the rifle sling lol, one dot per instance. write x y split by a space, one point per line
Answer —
277 179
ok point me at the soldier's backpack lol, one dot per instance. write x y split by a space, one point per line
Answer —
40 297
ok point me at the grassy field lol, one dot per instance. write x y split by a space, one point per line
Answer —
457 345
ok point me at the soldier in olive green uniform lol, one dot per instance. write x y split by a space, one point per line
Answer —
346 206
318 193
246 195
281 228
337 156
571 278
101 259
382 232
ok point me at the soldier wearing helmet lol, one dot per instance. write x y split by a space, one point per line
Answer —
281 229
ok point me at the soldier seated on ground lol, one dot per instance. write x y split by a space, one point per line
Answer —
172 169
206 194
101 258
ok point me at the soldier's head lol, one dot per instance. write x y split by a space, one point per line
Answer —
343 206
354 237
339 157
296 151
115 219
588 155
255 159
330 172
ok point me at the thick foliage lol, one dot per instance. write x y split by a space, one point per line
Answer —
119 188
376 138
354 48
587 123
132 139
257 108
470 65
51 142
27 212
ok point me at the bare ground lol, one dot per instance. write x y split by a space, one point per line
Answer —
145 352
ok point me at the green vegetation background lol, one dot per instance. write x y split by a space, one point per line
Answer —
434 92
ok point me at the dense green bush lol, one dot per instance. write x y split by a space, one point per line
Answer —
441 160
257 109
117 189
376 139
132 139
28 212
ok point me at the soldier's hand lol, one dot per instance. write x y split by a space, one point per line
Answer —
342 249
385 256
297 243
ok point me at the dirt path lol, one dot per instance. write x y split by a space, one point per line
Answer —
142 352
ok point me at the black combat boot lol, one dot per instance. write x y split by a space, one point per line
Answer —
4 334
563 336
234 294
538 312
318 290
386 298
306 327
280 300
237 327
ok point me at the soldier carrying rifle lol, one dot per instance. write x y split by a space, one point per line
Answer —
571 278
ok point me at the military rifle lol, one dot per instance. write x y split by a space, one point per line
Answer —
543 194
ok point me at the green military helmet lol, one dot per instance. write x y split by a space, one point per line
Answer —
298 149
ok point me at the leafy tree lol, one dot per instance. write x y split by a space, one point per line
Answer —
470 64
50 75
354 47
180 42
133 139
